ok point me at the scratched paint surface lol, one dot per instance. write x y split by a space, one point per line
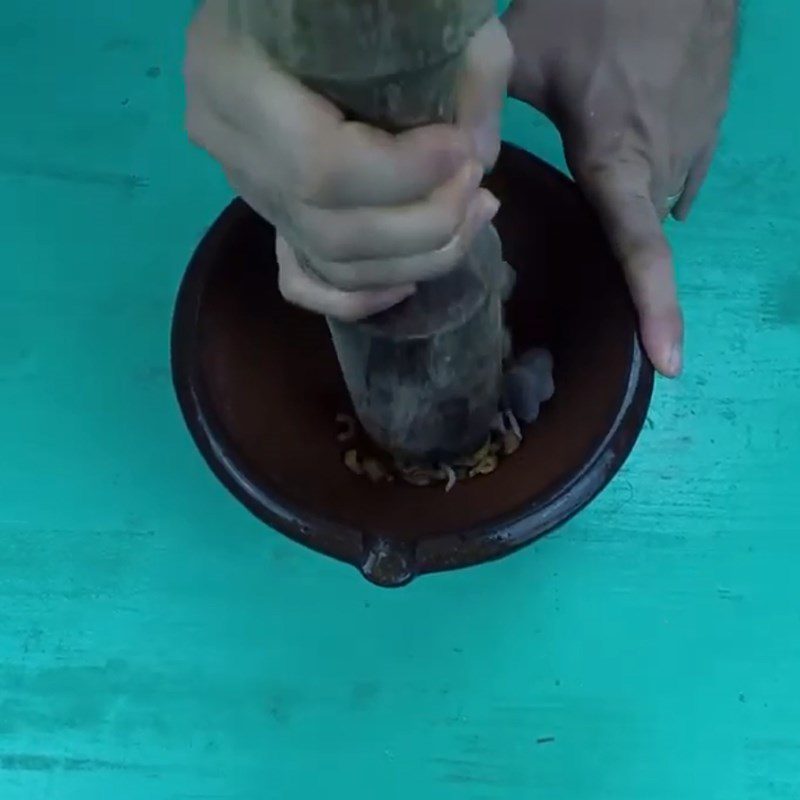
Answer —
156 642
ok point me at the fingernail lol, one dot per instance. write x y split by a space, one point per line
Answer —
675 360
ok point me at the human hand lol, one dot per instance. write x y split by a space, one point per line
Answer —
637 90
376 213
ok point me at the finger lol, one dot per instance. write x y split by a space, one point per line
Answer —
301 142
358 165
380 233
634 229
372 274
302 289
697 176
482 89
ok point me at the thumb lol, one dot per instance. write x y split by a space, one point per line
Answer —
482 88
622 201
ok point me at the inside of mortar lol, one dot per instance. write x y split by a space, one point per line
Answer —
264 377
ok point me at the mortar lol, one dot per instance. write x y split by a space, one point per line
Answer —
260 387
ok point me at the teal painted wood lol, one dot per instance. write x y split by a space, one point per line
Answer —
157 642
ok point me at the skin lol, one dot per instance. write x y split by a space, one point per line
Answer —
376 213
637 89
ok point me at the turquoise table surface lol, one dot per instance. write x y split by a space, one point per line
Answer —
158 642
